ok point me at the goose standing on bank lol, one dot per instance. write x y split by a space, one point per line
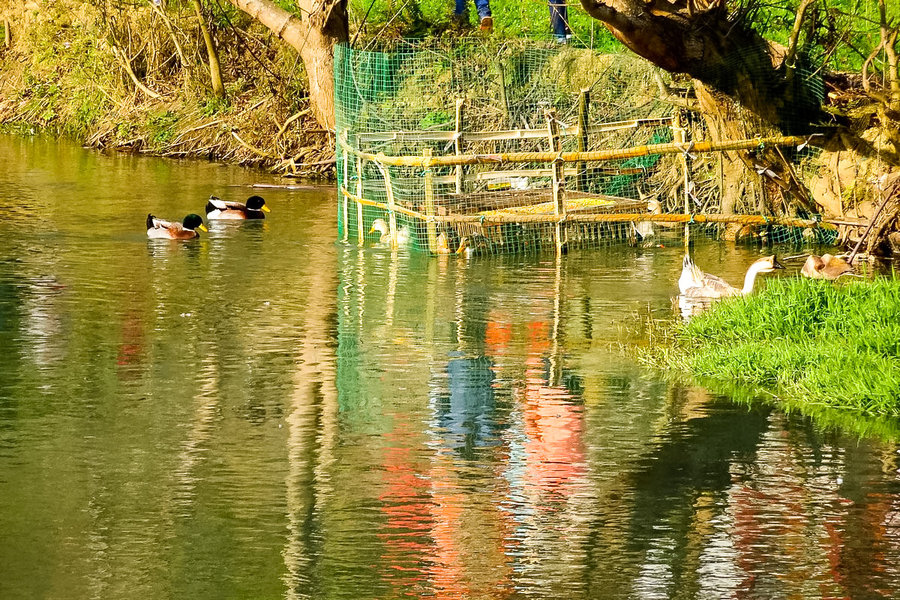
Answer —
694 283
255 208
825 267
173 230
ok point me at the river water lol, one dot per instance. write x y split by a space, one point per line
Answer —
268 412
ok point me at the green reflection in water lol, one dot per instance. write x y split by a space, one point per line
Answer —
267 413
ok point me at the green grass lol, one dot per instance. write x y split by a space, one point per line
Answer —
811 343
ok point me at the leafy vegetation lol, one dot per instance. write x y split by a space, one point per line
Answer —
810 342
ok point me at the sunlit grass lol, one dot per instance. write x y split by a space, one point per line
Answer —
812 342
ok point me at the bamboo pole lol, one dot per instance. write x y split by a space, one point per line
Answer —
504 134
344 184
584 103
501 82
597 155
360 227
678 137
391 205
558 178
499 218
457 141
430 229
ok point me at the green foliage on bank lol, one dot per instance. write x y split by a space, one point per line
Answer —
840 34
808 342
512 19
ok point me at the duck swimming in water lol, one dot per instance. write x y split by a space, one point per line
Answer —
173 230
694 283
825 267
474 245
381 226
255 208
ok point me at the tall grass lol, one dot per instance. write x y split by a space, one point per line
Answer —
812 342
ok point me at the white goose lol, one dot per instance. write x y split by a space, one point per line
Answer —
694 283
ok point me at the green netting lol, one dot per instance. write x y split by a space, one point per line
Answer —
483 97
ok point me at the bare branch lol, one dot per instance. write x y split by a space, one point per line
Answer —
795 33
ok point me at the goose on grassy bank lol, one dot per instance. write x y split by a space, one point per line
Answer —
825 267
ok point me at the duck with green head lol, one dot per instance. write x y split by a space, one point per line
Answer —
173 230
255 208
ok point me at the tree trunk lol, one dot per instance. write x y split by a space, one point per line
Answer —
323 24
743 85
215 70
698 38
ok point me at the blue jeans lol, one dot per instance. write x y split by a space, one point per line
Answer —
482 6
559 19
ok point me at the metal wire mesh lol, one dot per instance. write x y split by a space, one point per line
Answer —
496 101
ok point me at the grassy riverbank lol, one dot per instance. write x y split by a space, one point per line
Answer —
135 76
67 73
811 343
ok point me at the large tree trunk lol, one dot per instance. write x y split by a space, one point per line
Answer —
744 86
698 38
323 24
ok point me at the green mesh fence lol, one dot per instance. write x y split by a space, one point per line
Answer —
420 100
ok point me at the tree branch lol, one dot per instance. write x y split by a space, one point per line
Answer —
795 33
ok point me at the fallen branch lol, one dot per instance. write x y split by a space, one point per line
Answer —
126 64
253 149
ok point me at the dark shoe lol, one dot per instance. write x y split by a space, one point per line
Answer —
487 24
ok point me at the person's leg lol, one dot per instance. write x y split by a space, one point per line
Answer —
484 14
558 19
460 8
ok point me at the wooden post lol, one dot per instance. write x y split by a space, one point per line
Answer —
679 138
389 192
429 201
457 142
558 178
584 102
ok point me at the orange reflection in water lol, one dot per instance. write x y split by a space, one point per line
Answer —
408 515
554 428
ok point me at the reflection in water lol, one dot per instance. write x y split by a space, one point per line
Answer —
265 413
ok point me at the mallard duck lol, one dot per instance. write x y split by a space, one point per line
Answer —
825 267
255 208
474 245
173 230
697 284
381 226
442 244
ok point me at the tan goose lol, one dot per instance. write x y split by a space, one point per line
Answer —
825 267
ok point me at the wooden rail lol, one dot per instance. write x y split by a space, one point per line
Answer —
504 134
496 218
569 157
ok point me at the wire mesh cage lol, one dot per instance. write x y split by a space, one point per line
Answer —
508 147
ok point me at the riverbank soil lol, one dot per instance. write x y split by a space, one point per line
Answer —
137 78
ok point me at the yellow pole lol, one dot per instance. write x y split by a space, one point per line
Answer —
429 203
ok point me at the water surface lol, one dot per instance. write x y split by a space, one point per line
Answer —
266 413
